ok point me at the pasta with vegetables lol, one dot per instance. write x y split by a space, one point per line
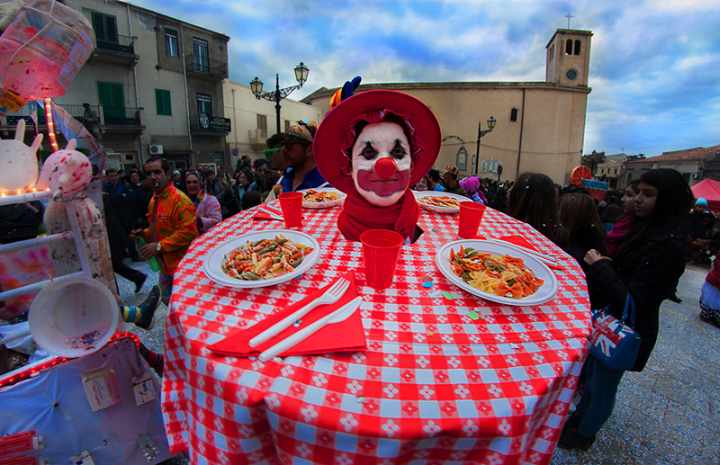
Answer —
501 275
265 258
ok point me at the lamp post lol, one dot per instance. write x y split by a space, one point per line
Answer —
481 132
256 86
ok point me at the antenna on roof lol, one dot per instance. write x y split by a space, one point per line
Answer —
569 16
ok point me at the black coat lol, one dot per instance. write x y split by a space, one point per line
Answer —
649 269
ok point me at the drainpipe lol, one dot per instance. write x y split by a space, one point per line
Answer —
522 125
187 93
235 119
141 159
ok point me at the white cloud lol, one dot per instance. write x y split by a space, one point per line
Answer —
696 61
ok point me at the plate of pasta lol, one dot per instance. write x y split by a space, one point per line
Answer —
496 272
262 258
322 197
440 202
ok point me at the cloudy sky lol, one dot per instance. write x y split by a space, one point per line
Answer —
655 64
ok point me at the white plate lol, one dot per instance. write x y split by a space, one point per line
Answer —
213 264
331 203
420 194
543 294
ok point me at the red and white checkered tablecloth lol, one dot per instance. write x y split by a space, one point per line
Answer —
433 387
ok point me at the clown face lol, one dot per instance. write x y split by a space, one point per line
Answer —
381 163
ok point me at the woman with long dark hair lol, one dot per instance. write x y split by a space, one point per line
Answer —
534 200
581 221
646 266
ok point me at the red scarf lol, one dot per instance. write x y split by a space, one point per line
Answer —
618 234
359 215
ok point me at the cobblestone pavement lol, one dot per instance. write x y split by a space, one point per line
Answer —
668 414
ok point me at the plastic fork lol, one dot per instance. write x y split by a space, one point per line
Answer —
330 296
337 316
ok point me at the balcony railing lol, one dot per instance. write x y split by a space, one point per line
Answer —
119 51
122 44
208 68
122 117
112 120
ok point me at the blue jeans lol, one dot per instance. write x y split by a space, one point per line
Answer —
598 397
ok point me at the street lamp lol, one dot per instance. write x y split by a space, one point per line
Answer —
256 87
481 132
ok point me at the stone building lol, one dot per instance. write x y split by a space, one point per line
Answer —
694 164
540 125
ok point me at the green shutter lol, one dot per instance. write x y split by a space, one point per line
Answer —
98 25
112 98
162 102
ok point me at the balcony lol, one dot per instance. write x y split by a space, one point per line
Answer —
116 52
211 70
205 125
109 120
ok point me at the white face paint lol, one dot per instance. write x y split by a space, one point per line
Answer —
381 184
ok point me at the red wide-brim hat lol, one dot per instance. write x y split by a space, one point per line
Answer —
336 134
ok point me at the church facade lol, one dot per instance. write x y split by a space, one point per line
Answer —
539 127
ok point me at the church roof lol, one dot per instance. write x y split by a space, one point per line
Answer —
454 85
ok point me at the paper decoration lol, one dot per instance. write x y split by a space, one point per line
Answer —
66 171
43 48
473 315
450 295
144 389
101 389
18 162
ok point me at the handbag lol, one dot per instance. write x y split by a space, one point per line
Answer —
614 342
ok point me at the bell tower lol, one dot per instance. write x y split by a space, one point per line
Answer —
568 58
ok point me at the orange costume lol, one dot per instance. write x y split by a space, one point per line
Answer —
171 216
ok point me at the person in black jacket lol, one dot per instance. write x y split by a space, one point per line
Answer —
647 267
581 221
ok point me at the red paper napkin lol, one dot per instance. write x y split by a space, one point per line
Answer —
262 213
519 241
347 335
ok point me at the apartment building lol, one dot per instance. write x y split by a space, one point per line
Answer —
154 83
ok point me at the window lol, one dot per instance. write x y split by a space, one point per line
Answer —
513 114
112 101
171 43
105 27
201 55
552 52
461 159
568 47
262 124
577 47
204 104
162 102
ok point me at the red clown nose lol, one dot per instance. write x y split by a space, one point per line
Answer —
385 168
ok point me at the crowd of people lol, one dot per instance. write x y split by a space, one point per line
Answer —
633 244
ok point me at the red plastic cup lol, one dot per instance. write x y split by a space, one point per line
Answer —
291 205
471 214
381 248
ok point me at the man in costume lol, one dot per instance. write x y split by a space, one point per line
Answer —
373 146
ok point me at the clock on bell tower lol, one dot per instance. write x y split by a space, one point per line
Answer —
568 58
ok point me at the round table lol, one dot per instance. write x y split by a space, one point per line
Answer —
433 386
